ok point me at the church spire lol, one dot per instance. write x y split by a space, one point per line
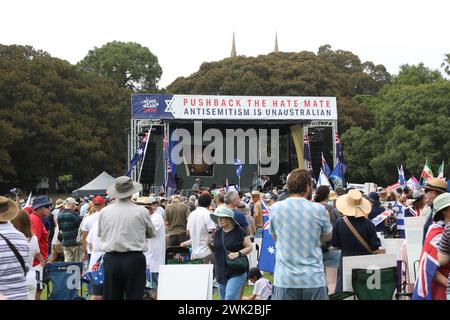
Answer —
233 48
276 43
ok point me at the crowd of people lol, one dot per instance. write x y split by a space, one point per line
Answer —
128 236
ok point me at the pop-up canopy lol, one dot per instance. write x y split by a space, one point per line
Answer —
97 186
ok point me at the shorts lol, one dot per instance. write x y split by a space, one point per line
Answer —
331 258
39 277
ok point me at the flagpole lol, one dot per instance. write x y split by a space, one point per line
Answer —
145 152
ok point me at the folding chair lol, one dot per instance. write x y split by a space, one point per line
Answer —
63 280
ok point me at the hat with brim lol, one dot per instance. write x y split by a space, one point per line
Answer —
417 195
59 203
222 212
383 195
353 204
442 201
8 209
146 201
439 185
333 196
123 187
41 201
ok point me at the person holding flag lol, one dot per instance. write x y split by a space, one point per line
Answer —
298 225
432 278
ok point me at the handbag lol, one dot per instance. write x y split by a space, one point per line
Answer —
238 264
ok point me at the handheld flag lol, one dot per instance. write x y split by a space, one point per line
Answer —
380 218
323 180
238 165
401 176
268 247
29 201
441 171
138 155
307 152
413 184
337 176
227 186
426 173
325 167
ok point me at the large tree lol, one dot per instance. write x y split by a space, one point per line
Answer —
129 65
328 73
62 121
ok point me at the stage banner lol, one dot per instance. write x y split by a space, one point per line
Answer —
156 106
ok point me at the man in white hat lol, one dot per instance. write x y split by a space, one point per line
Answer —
69 222
123 228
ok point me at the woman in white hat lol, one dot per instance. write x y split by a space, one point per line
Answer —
230 240
354 234
14 254
435 289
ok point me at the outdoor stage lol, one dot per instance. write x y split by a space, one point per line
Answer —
265 133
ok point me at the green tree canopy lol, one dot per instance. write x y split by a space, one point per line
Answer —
129 65
56 120
328 73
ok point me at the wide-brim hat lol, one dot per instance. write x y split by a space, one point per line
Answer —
146 201
123 187
222 212
41 201
59 203
442 201
353 204
8 209
439 185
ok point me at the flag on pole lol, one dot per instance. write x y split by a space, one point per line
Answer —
227 186
325 167
413 184
323 180
441 171
238 165
29 201
268 247
340 154
137 155
426 173
170 182
401 176
337 176
307 152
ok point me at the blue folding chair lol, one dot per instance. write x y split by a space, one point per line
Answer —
63 280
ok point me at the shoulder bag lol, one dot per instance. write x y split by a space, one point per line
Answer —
238 264
360 239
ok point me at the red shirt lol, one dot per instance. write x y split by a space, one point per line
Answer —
38 228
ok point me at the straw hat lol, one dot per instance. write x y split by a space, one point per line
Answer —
59 203
333 195
353 204
146 201
123 187
436 184
8 209
383 195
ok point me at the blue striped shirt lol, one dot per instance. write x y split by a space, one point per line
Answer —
298 224
12 280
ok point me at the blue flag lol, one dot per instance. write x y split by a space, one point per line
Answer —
337 175
268 247
137 155
238 165
325 167
307 152
340 154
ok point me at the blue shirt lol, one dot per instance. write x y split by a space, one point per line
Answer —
298 224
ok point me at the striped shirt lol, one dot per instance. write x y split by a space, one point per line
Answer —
444 247
12 280
298 224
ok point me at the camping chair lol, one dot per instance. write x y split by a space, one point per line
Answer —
63 280
180 255
361 279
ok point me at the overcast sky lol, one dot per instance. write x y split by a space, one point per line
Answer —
185 33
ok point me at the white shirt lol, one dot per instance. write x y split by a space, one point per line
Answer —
156 254
199 225
84 209
55 214
34 249
160 211
87 223
94 240
263 288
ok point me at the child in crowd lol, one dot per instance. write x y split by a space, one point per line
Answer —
263 287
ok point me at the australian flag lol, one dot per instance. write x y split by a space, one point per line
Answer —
267 257
170 182
340 154
428 264
138 155
307 152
